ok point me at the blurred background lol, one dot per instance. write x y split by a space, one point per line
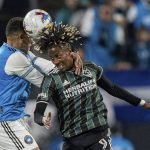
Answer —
116 36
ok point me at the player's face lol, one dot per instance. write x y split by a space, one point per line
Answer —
23 41
61 57
26 42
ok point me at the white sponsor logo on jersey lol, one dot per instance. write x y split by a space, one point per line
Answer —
66 83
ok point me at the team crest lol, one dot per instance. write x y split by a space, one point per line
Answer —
87 72
28 139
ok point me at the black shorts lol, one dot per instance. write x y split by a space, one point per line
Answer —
95 139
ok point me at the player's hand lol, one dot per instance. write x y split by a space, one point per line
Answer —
146 105
78 64
47 121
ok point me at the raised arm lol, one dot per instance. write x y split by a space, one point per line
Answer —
119 92
43 65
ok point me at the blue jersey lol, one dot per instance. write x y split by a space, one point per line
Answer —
143 16
14 90
120 143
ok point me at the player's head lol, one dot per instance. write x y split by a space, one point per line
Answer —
59 44
60 55
16 35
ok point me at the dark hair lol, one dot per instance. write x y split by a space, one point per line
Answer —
59 35
14 25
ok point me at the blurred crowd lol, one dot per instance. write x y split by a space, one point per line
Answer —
116 33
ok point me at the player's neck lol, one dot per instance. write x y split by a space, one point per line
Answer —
15 44
12 43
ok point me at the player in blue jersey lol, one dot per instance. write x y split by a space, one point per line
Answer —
18 68
82 113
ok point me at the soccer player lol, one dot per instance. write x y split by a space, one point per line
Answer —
18 68
81 111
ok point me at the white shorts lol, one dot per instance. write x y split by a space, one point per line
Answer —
15 135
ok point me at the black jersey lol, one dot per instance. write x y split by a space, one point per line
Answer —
78 99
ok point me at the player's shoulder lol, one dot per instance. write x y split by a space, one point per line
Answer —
88 63
49 81
17 55
17 59
92 65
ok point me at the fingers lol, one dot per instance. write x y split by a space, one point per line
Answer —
49 116
47 121
74 55
77 71
79 68
80 64
77 63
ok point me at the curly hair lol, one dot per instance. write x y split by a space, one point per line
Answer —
59 35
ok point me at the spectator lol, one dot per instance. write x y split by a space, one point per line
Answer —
102 42
65 14
87 21
139 14
142 49
118 141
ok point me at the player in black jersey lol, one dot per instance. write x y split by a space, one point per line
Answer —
81 111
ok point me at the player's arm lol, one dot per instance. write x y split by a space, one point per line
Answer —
121 93
45 66
39 112
18 64
42 101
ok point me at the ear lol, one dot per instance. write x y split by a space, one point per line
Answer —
22 36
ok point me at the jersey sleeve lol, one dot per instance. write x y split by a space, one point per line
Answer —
118 91
43 99
43 65
18 64
47 90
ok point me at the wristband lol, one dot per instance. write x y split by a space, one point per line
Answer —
142 102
